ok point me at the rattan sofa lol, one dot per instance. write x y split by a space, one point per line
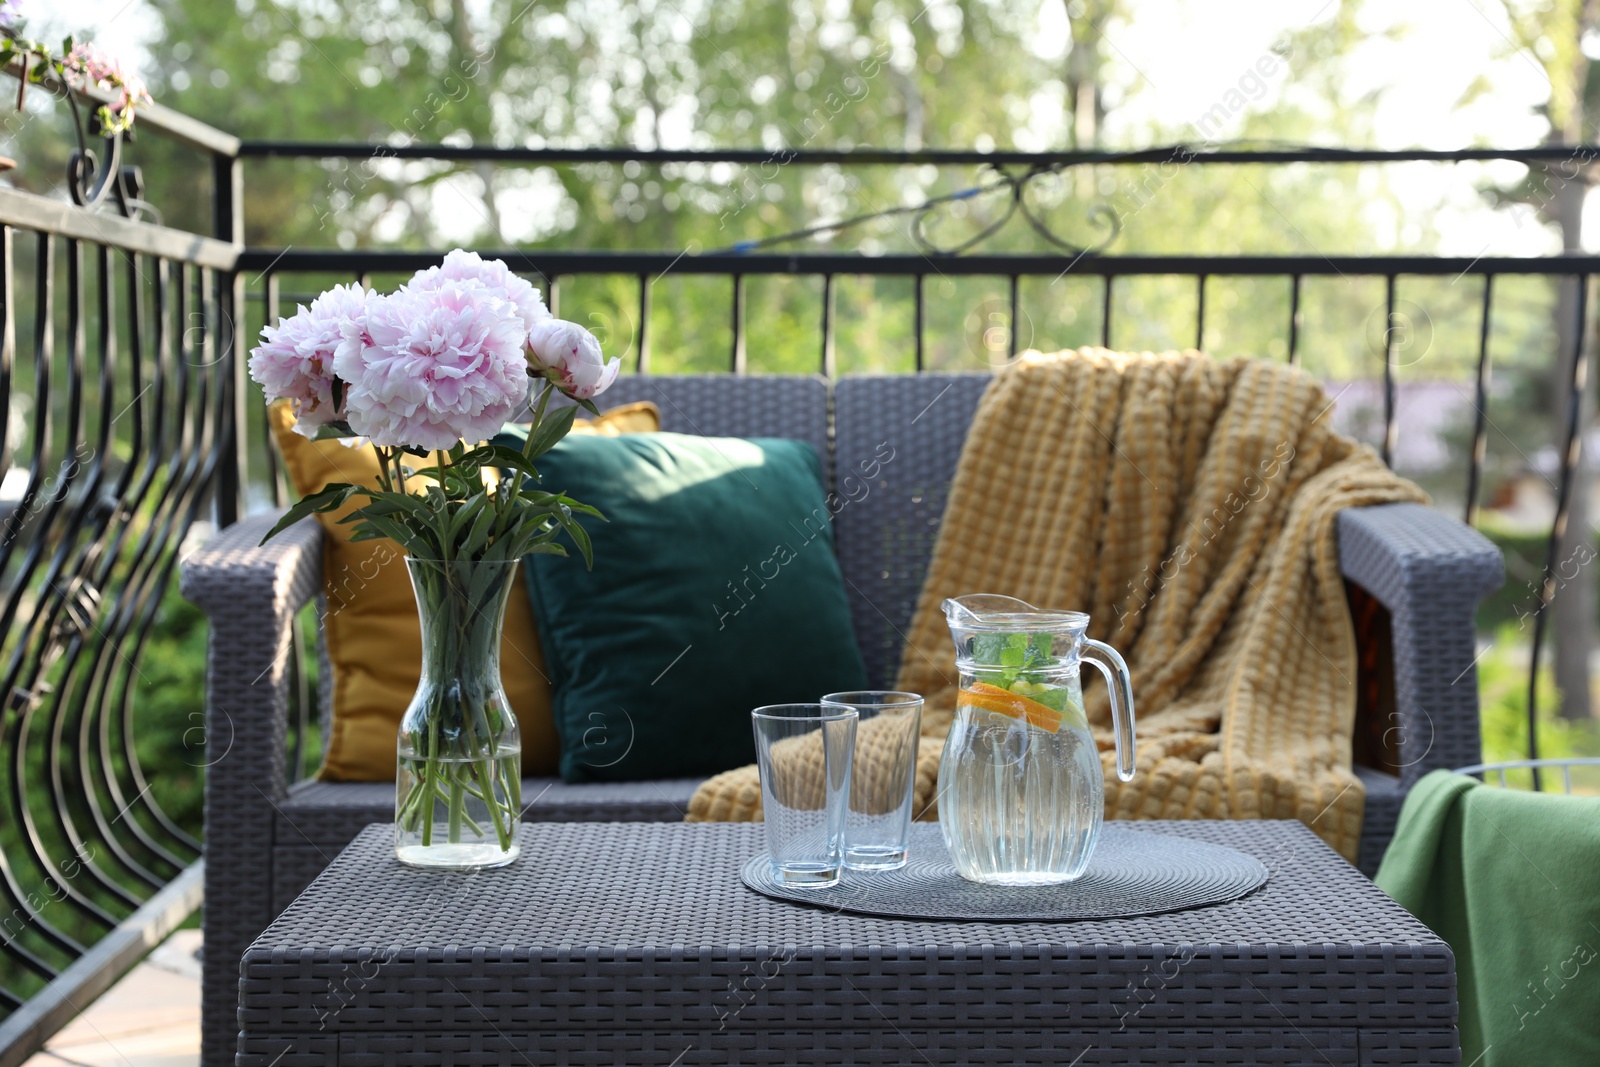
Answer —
893 443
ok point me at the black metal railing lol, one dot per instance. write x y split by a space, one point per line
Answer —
1011 173
118 386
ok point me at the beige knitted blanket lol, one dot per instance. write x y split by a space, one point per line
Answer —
1188 505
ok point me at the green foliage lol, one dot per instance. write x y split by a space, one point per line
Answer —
455 517
802 74
71 68
169 710
1503 688
1510 609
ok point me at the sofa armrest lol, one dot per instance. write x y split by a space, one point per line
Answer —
286 571
251 594
1429 570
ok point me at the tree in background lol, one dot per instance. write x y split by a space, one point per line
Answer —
805 73
1553 34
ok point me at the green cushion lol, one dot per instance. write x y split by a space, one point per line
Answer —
715 590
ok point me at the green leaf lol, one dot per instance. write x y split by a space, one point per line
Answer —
551 429
415 543
459 519
1051 697
986 648
1015 651
330 498
335 431
472 545
579 535
502 456
580 509
384 504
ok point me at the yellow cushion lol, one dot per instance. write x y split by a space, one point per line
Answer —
373 637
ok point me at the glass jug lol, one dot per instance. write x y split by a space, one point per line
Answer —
1021 798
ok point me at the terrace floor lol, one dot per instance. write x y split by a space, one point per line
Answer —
151 1018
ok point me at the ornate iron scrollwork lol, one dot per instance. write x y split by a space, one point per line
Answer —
1017 185
93 179
1013 186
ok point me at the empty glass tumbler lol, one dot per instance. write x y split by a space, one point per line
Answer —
804 752
882 777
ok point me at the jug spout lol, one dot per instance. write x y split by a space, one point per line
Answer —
965 610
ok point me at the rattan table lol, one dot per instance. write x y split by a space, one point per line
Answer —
636 943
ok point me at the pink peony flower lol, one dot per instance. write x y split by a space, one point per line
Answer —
296 358
493 274
435 366
570 356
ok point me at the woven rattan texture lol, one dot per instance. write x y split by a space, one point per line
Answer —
1385 797
1151 1046
320 818
250 593
1133 872
332 813
1430 572
719 405
899 439
647 927
1164 1047
885 528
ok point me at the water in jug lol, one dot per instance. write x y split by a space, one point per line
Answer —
1021 797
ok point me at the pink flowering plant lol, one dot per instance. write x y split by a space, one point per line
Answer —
427 374
79 66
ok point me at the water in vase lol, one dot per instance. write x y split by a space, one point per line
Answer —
451 822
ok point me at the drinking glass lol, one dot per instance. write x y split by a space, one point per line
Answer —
804 752
882 777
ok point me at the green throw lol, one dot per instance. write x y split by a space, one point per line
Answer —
1511 880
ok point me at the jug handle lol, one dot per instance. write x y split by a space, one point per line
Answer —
1107 660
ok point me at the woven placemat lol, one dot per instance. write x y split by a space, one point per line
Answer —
1133 872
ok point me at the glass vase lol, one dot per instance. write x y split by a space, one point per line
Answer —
458 782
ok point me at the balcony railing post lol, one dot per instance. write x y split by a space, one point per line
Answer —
227 204
1571 458
829 367
738 359
644 324
1391 427
1480 407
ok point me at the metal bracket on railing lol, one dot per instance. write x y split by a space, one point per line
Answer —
91 183
80 603
93 178
23 699
1102 216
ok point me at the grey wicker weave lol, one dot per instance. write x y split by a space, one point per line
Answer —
637 944
895 441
